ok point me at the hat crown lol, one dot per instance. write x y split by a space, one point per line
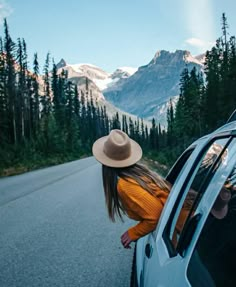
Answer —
118 137
117 146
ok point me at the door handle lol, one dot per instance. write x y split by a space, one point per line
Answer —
148 250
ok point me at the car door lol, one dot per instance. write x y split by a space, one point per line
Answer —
168 252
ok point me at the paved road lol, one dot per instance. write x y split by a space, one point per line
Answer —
54 230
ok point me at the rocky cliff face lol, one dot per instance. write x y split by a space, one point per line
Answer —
147 92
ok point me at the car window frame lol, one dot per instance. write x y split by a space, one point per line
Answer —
179 165
187 182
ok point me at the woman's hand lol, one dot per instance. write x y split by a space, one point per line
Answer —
125 240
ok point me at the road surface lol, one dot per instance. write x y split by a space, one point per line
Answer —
54 230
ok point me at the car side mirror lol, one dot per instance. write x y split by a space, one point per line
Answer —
187 233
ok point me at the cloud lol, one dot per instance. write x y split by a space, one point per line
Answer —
195 42
5 10
199 43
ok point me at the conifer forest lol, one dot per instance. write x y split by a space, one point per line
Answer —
45 119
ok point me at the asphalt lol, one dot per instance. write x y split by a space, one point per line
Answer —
54 230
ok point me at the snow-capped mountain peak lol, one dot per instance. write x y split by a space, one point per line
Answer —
129 70
123 73
163 56
99 77
90 70
61 64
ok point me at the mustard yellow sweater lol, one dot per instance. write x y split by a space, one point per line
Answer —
141 206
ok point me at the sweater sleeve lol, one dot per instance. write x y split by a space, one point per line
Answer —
140 205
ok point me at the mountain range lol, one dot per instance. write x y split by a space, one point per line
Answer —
144 91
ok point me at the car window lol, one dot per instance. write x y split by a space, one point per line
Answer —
193 190
212 261
178 167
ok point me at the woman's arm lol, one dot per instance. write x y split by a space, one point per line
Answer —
141 206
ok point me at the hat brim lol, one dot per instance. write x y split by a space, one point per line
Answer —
135 155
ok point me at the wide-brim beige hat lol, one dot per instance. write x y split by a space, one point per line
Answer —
117 150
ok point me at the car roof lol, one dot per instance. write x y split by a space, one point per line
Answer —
231 126
227 127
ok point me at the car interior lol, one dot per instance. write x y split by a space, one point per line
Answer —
215 251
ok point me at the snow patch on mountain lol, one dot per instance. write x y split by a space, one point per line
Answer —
201 58
127 70
100 78
105 83
191 59
90 70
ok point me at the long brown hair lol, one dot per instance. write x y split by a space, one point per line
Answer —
146 178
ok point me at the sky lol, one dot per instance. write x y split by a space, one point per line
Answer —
115 33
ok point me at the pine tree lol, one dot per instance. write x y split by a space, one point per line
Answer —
106 121
154 141
137 136
192 104
70 116
9 52
76 102
27 94
232 73
224 30
4 101
143 135
146 137
116 121
225 99
22 99
131 128
45 101
187 122
46 98
170 124
219 96
94 128
35 96
180 118
83 118
125 124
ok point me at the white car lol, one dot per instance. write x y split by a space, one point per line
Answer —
202 252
